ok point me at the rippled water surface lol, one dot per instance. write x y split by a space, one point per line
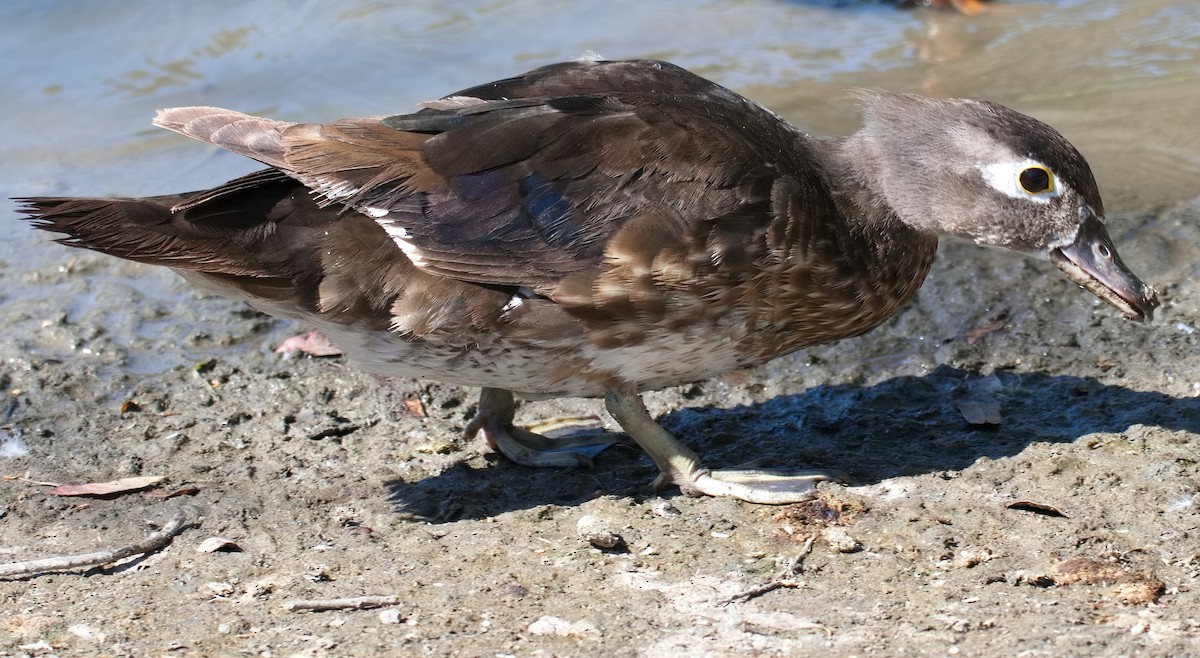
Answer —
81 80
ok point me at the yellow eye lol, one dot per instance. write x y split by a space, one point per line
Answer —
1036 180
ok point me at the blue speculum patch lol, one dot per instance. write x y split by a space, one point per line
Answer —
546 206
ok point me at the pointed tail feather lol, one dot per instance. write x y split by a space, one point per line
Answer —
141 230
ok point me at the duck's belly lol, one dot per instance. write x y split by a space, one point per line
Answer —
567 368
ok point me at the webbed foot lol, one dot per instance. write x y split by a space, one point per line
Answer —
680 466
763 486
581 440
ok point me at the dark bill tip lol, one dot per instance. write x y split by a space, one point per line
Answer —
1092 262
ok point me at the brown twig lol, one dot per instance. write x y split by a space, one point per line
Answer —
154 542
785 577
356 603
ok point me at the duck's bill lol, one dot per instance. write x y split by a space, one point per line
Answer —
1092 262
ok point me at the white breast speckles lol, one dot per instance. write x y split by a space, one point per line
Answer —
545 367
566 368
669 359
486 361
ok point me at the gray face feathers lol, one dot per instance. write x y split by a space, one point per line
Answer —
975 170
980 171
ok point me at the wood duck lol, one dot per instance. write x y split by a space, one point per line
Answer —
603 228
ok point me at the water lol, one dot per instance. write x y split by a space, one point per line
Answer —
1120 79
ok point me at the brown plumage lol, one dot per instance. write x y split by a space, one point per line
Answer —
603 228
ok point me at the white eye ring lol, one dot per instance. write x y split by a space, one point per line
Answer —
1005 177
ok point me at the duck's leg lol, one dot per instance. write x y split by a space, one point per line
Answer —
680 466
495 419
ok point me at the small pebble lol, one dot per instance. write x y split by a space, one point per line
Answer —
389 616
549 625
220 589
214 544
598 533
664 508
86 632
840 540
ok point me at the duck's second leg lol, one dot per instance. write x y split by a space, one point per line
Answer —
680 466
495 419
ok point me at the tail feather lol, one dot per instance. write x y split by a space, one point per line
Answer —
134 229
253 137
246 228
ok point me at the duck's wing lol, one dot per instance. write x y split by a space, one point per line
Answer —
593 76
549 194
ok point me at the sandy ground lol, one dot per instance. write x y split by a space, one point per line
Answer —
1070 527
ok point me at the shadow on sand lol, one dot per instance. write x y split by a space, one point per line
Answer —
901 426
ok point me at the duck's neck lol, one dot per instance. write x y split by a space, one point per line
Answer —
853 267
856 184
901 250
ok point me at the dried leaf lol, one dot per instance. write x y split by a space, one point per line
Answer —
130 406
123 485
1036 508
412 402
313 343
973 335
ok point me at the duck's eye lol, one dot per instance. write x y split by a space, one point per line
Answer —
1035 180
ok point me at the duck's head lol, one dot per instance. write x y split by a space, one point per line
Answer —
983 172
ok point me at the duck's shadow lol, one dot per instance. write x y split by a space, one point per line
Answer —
901 426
